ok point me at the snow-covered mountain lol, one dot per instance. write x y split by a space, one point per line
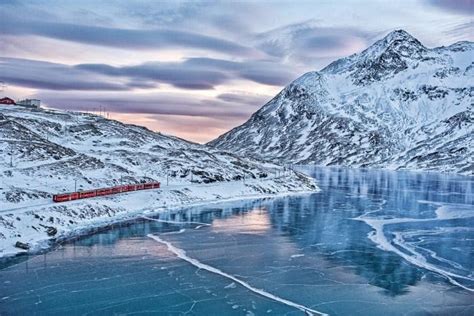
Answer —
397 104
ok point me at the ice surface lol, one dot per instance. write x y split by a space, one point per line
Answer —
308 250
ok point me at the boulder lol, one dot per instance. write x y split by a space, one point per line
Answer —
51 231
21 245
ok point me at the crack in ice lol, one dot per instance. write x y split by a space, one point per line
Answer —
180 253
382 242
176 222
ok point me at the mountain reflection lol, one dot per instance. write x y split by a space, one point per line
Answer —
324 221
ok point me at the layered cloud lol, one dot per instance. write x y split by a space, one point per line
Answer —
51 76
193 74
200 73
120 37
229 105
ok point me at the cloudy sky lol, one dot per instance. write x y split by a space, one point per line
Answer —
195 68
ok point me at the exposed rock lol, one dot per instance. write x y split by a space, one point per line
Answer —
51 231
24 246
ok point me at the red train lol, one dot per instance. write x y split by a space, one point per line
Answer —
63 197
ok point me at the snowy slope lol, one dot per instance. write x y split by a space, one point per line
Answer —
43 152
395 105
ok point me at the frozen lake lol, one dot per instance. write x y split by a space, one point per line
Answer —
370 243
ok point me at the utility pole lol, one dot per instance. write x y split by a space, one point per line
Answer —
75 185
167 176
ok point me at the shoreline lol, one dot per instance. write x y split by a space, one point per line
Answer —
142 215
39 242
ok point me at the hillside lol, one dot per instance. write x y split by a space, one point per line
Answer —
43 152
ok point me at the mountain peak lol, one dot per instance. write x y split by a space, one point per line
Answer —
392 50
397 35
385 58
398 41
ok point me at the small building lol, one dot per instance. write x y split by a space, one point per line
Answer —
7 100
32 103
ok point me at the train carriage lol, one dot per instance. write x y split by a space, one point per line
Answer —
64 197
87 194
106 191
117 189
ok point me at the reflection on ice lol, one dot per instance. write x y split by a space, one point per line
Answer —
175 221
254 222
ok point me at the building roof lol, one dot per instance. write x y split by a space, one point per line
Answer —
7 100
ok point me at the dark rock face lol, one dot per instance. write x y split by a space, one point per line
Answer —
397 104
51 231
387 57
24 246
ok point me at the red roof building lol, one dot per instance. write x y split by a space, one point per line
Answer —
7 101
